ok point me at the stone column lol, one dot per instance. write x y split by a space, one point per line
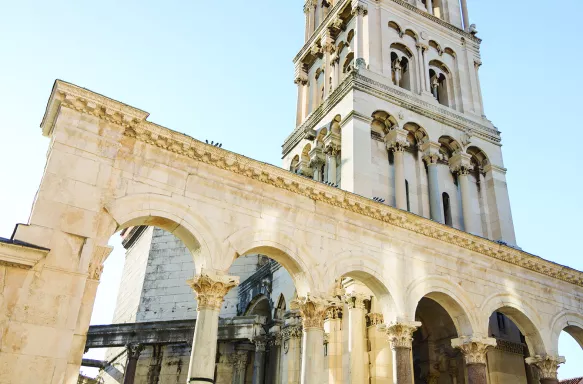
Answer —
133 351
317 160
430 7
484 203
333 325
396 141
291 339
359 10
430 156
259 361
474 350
477 65
424 67
210 291
275 357
460 164
239 359
356 336
420 70
301 81
401 338
332 143
547 367
307 13
328 48
465 15
381 366
313 309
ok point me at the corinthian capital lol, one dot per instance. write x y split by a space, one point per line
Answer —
396 140
359 9
401 334
547 365
356 300
301 79
461 164
474 348
313 310
211 289
431 153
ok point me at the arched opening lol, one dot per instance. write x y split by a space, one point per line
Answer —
401 71
517 338
447 209
440 82
295 164
348 65
434 359
408 198
478 190
571 347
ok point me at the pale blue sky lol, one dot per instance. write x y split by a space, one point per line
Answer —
222 71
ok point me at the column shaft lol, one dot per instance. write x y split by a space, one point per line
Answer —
465 15
259 365
312 356
485 208
359 38
334 351
204 347
300 109
430 6
133 352
400 192
332 168
294 360
477 374
466 203
419 66
426 71
356 344
434 195
403 368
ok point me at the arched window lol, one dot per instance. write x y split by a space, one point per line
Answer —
407 194
401 66
446 209
295 164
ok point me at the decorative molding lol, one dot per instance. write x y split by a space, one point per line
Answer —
291 332
510 347
280 178
211 290
356 300
313 310
20 256
374 319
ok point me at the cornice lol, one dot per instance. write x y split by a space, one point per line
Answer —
20 256
89 102
279 178
437 20
359 81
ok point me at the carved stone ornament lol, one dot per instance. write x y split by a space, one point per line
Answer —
301 79
396 140
375 319
356 300
359 9
461 164
334 313
474 348
360 63
211 290
317 157
96 264
292 332
547 365
134 350
239 359
313 310
260 344
401 334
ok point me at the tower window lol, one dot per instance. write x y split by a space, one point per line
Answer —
446 209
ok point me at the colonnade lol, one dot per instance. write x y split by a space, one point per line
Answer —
318 313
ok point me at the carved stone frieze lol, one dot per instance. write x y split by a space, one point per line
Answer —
474 348
211 290
547 365
375 319
291 332
461 164
100 253
356 300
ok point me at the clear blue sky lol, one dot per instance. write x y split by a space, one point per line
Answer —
222 71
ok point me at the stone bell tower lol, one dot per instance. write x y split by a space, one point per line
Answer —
390 107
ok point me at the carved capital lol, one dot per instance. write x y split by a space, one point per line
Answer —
359 9
356 300
260 344
474 348
396 140
301 79
134 350
291 332
547 365
334 313
316 51
422 47
401 334
211 290
239 359
430 152
313 309
460 164
375 319
317 157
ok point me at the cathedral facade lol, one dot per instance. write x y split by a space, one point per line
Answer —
383 251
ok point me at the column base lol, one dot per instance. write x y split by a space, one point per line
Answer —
200 380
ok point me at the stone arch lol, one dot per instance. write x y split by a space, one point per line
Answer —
417 131
277 246
450 296
258 303
478 156
410 32
394 25
383 121
450 52
172 215
449 146
522 314
366 270
570 322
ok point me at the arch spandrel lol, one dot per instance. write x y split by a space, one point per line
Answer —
453 298
570 322
369 271
526 318
279 246
171 215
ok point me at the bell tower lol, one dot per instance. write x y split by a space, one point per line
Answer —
390 107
